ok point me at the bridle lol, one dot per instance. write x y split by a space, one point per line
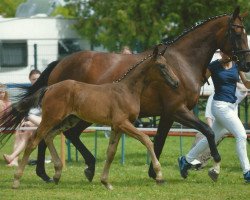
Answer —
233 37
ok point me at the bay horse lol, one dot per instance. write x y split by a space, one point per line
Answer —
116 104
187 55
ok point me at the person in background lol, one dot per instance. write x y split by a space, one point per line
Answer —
126 50
4 98
225 76
204 157
22 136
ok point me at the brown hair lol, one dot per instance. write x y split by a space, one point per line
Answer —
34 71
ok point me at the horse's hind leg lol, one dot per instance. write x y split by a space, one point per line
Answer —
32 143
144 139
111 150
159 140
40 168
73 135
187 118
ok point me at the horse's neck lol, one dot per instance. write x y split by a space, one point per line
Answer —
135 79
195 49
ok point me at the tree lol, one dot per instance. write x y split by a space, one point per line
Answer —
8 7
141 24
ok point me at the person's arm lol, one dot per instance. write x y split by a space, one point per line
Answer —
34 119
244 80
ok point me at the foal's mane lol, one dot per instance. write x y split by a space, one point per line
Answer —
168 43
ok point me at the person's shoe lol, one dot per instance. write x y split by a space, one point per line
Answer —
247 177
184 166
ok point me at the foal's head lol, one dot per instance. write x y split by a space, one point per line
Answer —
235 43
159 63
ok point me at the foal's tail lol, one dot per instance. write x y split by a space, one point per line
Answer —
42 81
13 115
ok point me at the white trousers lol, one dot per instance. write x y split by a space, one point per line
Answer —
225 118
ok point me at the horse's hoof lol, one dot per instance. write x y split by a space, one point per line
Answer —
151 173
45 177
213 174
160 182
50 180
89 173
16 184
56 180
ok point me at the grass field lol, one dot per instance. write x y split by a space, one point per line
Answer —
130 180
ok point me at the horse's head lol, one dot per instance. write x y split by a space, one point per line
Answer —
235 44
165 70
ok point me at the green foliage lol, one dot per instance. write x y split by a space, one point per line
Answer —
8 7
141 24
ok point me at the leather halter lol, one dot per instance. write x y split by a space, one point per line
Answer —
233 39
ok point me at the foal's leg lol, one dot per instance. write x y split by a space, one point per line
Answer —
128 128
73 134
55 157
32 143
111 150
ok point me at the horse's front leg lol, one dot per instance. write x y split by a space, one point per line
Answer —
32 144
187 118
111 150
159 140
73 134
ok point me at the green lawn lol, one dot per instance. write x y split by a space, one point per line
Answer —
130 180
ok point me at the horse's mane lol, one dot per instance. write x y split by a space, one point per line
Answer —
192 28
167 43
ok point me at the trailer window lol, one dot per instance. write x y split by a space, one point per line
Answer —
13 54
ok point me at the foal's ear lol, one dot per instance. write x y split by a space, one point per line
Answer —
243 15
155 53
236 12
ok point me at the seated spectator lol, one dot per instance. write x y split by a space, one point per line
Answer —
22 136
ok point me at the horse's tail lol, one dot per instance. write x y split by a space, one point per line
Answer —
42 81
13 115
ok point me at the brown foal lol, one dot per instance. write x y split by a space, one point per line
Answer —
115 104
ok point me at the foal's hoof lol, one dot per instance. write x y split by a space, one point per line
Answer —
16 184
160 182
213 174
89 173
107 185
56 180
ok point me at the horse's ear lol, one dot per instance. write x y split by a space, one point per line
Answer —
155 52
236 12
